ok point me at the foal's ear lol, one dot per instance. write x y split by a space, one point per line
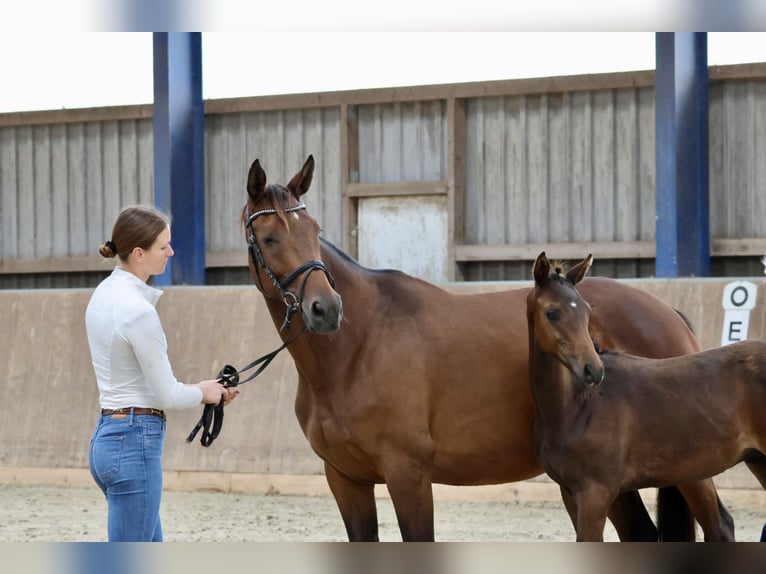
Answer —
542 270
256 181
576 273
301 181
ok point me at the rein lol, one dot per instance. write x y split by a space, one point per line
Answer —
212 415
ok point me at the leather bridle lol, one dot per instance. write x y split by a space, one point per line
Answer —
291 300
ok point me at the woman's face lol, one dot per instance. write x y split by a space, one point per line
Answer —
156 257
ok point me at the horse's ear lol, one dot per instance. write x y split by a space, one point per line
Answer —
542 270
256 181
576 273
301 181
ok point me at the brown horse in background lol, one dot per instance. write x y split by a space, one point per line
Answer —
606 423
420 385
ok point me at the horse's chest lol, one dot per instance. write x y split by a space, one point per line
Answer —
335 442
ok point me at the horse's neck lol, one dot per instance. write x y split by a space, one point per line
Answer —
553 391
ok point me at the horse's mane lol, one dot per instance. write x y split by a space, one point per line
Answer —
346 258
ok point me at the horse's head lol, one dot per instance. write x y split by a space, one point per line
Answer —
283 240
558 316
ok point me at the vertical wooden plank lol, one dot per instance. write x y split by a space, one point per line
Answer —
603 162
128 162
627 208
646 165
367 120
717 158
145 162
110 158
494 159
560 213
233 181
390 160
9 194
434 135
537 169
294 149
59 187
474 186
27 219
331 169
581 142
98 229
410 145
351 157
456 179
41 151
78 240
517 189
273 151
757 225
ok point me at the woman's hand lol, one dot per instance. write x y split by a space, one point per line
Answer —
212 391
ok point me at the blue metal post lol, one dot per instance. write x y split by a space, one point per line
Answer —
179 184
681 122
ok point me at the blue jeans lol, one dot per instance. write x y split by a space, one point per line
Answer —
126 463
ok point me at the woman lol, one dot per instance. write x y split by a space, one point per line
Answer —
135 380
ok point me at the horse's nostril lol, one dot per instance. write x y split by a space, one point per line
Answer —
317 309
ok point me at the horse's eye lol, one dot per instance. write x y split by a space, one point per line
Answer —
269 241
553 314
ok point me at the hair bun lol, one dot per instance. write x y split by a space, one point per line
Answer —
108 249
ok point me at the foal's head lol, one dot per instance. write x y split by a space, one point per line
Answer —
283 241
558 318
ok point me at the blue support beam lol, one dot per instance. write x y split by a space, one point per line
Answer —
179 183
681 122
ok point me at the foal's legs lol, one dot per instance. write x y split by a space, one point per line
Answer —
356 502
630 518
703 501
592 505
627 514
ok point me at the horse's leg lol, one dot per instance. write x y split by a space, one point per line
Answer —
757 466
356 502
413 500
708 510
675 522
630 518
592 504
569 504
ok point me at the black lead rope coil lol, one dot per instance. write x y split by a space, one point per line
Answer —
212 415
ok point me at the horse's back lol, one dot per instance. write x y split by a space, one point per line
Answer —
628 319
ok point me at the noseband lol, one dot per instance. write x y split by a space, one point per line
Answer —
291 300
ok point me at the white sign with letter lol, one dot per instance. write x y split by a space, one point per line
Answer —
738 301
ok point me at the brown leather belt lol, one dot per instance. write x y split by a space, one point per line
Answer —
136 411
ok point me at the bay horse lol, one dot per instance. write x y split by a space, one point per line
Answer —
403 383
608 422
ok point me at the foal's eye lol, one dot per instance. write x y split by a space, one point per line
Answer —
553 314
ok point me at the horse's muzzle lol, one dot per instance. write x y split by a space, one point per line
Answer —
323 315
594 374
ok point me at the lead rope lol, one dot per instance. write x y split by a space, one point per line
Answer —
212 415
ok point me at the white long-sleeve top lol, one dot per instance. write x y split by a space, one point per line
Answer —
129 349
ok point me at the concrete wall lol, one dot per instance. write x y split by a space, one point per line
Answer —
50 401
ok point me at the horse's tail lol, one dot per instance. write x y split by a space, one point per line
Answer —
675 522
